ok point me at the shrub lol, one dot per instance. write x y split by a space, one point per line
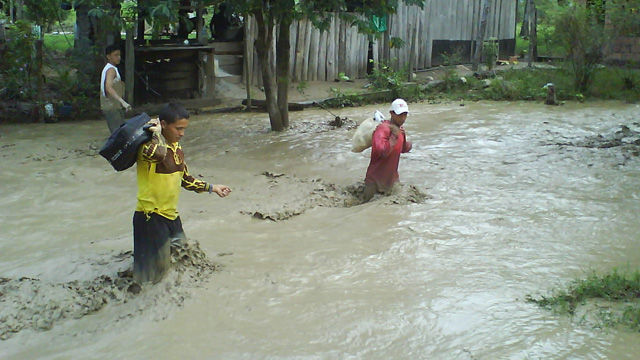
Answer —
17 65
582 40
385 77
490 53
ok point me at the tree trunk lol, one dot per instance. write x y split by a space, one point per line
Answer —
83 52
264 44
19 6
40 78
533 38
524 29
248 48
480 35
283 47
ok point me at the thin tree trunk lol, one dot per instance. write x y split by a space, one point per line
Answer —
141 24
40 79
19 7
83 52
524 29
248 67
283 46
480 35
532 32
263 48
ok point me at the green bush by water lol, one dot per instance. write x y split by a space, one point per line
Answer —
619 287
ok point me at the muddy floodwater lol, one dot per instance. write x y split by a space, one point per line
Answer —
499 201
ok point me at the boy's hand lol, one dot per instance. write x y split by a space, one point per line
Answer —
155 125
125 105
221 190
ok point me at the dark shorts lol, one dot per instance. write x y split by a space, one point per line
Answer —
152 238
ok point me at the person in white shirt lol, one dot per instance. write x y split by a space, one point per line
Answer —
112 104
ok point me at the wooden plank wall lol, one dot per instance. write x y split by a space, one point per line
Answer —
444 20
321 56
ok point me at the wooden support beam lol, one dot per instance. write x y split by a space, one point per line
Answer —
130 66
40 79
200 34
247 60
481 34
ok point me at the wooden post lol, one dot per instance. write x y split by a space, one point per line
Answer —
210 73
386 42
199 25
342 47
141 24
480 35
248 67
299 50
412 59
130 66
40 80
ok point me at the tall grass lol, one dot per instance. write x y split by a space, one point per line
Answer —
616 286
58 42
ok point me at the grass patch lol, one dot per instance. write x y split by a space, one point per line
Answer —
622 83
58 42
527 84
610 83
620 289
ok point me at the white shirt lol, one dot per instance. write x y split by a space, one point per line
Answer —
103 78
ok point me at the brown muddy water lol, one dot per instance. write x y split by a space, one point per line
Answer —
499 200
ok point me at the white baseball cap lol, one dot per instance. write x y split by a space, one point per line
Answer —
399 106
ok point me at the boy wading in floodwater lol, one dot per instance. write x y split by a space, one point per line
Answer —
112 90
388 142
161 173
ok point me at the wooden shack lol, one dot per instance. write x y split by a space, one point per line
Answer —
440 27
174 71
163 70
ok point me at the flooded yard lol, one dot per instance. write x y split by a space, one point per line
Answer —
498 201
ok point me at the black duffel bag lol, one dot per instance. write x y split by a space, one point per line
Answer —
122 146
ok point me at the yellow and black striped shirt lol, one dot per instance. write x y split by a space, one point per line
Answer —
161 173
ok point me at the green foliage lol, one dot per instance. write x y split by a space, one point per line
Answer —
622 83
343 77
396 43
16 66
107 16
302 87
616 286
65 84
385 77
343 98
58 42
624 17
582 41
490 53
44 12
451 78
454 58
129 13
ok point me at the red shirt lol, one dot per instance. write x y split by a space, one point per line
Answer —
386 148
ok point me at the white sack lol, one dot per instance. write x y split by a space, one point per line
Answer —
362 138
